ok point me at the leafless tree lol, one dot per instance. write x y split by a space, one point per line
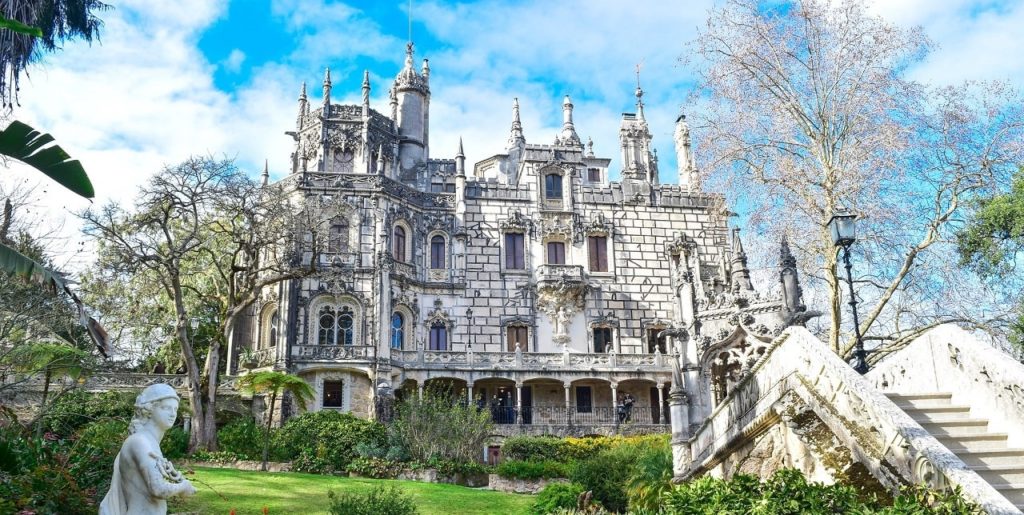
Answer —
809 100
210 236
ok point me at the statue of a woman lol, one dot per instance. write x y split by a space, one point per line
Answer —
143 479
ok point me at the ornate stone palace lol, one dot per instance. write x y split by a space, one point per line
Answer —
530 283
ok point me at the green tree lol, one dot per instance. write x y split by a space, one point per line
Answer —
33 27
52 360
992 240
275 384
805 107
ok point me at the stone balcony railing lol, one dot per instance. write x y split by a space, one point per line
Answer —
539 361
559 273
305 353
113 381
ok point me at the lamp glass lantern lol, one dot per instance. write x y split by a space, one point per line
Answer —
843 228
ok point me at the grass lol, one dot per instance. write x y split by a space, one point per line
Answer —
288 492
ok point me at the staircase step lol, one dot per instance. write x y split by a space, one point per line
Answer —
1013 492
956 427
921 399
992 457
937 413
1006 474
976 442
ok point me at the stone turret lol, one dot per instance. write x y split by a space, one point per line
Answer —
411 104
638 162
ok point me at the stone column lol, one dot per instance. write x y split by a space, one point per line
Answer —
661 403
615 403
419 387
469 393
678 407
519 403
568 403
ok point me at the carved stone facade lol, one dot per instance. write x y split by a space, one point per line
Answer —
529 283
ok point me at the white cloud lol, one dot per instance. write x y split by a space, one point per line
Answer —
234 61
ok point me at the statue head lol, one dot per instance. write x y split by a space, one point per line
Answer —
157 403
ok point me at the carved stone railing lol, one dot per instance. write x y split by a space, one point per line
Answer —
302 353
976 374
798 368
531 361
559 273
117 381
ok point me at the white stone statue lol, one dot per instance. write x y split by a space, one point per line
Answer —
143 479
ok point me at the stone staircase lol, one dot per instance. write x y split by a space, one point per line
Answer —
984 451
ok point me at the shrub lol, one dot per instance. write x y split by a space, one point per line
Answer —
242 437
78 408
556 496
531 469
378 468
215 456
440 427
651 476
538 448
324 441
382 500
175 443
606 474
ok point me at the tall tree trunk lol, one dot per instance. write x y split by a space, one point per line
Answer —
266 435
199 437
42 403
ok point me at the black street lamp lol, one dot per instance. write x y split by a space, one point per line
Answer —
843 229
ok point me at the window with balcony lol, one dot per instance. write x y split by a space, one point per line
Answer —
336 326
397 331
332 394
656 343
603 339
398 245
337 238
438 336
517 337
553 186
515 257
597 247
556 253
437 252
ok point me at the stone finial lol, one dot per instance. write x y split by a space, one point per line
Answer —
366 91
327 93
426 69
590 147
265 176
568 135
460 160
303 106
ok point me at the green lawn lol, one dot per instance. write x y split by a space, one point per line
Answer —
293 493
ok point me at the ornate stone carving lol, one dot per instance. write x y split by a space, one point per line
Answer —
516 222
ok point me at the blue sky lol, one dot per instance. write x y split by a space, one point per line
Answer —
172 78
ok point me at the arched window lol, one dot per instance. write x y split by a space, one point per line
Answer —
438 336
337 237
336 326
437 252
399 244
274 320
553 186
397 331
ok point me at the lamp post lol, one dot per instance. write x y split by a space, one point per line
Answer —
843 229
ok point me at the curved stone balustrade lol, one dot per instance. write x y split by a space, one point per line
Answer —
531 361
799 376
332 352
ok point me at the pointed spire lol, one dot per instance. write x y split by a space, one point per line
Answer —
740 273
568 135
380 159
366 88
639 96
460 161
303 106
516 137
265 176
327 93
786 259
